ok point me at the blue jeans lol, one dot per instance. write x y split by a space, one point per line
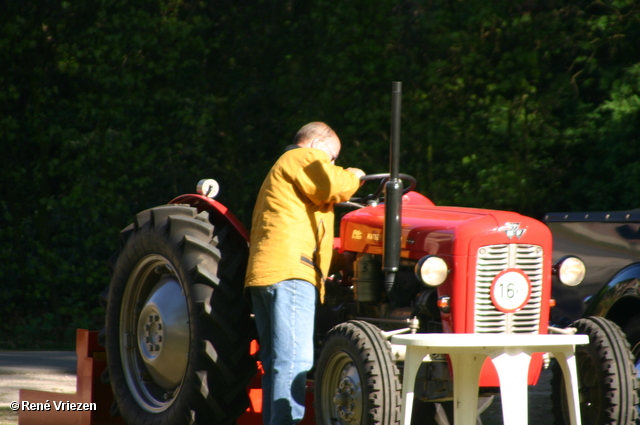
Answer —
285 313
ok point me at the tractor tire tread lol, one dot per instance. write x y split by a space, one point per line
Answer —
222 365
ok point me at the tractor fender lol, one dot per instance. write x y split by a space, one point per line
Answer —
218 211
619 299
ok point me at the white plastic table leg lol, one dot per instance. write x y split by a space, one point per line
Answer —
412 362
513 371
466 377
567 362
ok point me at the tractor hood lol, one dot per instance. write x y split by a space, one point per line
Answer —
429 229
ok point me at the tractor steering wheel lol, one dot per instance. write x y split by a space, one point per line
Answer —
375 196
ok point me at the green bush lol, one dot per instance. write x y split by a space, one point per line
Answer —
108 107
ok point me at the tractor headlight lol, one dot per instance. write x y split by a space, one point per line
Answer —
431 270
570 270
208 188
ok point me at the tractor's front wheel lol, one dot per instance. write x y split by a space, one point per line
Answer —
177 326
632 331
356 380
606 377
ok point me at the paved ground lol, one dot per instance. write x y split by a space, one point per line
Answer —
55 371
44 370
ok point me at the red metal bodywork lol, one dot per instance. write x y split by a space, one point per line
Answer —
454 234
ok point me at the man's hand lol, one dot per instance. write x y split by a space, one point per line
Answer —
358 172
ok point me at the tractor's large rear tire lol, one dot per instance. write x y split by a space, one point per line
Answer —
357 381
178 328
606 377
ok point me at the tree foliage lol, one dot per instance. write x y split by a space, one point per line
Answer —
108 107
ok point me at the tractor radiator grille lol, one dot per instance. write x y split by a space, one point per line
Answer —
491 261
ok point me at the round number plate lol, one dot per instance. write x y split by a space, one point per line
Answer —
510 290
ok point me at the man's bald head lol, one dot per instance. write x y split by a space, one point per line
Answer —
313 130
320 136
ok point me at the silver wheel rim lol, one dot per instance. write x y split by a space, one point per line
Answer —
342 395
154 333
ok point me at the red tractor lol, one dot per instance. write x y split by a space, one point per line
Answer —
179 328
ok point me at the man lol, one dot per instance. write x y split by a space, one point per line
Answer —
290 253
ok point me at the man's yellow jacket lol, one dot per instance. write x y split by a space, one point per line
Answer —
292 224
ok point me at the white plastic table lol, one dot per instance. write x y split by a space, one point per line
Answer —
511 355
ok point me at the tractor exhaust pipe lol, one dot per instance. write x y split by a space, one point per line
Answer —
393 196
